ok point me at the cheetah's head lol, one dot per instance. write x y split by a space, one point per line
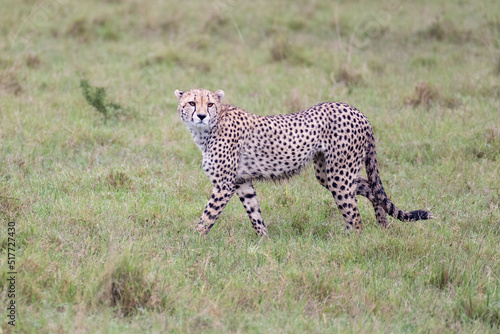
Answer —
199 107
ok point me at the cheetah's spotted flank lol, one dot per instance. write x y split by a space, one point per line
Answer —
239 148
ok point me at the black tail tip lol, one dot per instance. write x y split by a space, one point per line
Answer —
420 215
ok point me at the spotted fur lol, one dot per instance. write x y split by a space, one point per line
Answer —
239 148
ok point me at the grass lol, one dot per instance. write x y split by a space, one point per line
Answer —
105 207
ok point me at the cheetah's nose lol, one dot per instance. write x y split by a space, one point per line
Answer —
201 116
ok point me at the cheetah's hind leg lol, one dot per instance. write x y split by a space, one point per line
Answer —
248 198
362 188
341 182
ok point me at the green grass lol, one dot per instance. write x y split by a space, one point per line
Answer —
105 207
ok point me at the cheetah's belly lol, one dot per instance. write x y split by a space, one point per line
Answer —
274 163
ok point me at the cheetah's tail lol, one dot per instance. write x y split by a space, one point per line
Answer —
379 192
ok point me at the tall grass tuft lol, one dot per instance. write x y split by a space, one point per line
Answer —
130 290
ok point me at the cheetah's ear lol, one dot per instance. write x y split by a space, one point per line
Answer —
178 93
219 94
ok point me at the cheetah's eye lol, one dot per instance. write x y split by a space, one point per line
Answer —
192 103
210 105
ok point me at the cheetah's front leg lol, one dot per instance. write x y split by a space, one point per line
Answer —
221 194
248 198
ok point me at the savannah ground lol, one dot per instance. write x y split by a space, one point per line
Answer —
105 202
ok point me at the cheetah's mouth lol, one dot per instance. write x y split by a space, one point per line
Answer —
199 122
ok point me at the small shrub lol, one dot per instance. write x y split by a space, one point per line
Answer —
96 97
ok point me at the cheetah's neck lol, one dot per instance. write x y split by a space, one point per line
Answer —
201 137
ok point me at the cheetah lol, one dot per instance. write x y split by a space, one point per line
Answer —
240 148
